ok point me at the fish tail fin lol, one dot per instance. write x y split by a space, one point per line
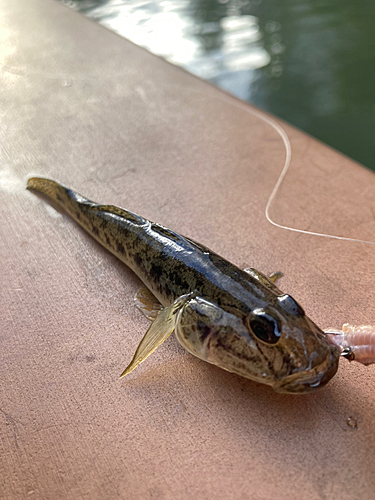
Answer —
108 224
55 192
59 195
46 187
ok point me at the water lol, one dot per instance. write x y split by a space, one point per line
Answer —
310 62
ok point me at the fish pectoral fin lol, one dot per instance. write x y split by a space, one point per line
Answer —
268 281
159 331
147 303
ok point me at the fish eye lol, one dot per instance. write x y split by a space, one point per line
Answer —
264 326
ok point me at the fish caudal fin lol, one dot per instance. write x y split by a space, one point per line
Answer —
46 187
59 194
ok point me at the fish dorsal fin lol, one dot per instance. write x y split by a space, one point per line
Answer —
268 281
121 212
147 303
159 331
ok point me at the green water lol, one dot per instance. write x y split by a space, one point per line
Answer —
310 62
327 86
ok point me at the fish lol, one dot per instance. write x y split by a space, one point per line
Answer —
236 319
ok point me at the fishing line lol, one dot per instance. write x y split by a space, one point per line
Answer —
357 343
288 157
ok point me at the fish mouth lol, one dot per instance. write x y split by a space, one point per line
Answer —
309 380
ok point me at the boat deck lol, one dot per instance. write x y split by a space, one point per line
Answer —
88 108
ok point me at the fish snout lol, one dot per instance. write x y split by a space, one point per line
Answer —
317 375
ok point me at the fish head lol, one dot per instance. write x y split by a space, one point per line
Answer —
276 344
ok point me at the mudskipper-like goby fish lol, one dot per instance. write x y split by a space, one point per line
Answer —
236 319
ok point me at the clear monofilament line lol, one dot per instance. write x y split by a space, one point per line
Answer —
288 157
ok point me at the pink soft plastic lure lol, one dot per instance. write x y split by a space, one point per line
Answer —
357 343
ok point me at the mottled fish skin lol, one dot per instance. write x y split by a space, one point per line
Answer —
215 324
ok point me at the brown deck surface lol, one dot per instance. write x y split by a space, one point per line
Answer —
90 109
